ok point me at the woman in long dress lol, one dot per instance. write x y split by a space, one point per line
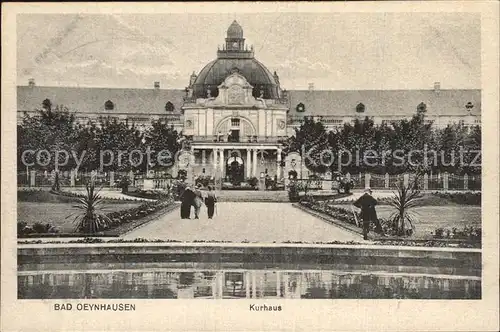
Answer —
197 201
187 199
210 201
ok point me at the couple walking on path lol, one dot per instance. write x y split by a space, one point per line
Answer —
195 198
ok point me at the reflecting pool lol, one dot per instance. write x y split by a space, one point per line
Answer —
246 284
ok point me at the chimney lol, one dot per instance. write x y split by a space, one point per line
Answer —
157 85
31 82
437 86
311 87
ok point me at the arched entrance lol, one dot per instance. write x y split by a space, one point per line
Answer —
235 170
235 129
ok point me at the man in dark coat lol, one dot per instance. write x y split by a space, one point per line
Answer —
367 205
187 199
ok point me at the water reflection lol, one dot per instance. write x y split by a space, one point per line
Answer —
261 284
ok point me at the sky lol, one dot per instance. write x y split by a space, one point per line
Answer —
335 51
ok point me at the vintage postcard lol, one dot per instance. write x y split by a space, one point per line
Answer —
260 167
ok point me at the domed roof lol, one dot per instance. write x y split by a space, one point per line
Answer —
235 30
214 73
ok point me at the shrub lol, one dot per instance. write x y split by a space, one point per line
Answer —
471 233
467 198
404 199
204 180
89 220
37 228
124 183
182 174
293 191
253 181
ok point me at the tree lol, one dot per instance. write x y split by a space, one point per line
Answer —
51 130
311 141
410 139
117 142
451 138
472 151
162 138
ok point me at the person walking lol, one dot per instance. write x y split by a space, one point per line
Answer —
210 201
368 213
198 201
187 198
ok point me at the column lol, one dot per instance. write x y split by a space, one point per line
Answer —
254 164
426 181
214 160
406 179
247 284
249 163
221 285
254 285
466 181
221 163
367 180
111 178
386 183
286 282
32 178
278 284
445 181
278 164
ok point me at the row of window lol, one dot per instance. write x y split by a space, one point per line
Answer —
360 108
109 105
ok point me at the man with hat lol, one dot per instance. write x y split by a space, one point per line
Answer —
367 205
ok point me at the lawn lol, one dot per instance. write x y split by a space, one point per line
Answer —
44 207
432 217
56 213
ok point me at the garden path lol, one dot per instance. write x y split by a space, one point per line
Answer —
250 221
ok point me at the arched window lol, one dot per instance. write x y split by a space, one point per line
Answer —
169 107
422 108
300 107
109 106
47 104
360 108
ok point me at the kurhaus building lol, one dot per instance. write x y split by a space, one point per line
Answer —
235 111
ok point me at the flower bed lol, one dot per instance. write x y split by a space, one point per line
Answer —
126 216
77 195
469 235
467 198
406 243
149 194
118 219
23 229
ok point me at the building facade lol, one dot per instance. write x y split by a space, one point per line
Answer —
235 113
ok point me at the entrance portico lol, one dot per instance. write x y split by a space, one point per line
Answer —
254 159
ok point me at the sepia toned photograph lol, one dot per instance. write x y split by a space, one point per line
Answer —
284 155
250 166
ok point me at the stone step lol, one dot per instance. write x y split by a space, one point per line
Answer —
252 196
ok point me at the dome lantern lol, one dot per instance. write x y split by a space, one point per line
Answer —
235 31
235 56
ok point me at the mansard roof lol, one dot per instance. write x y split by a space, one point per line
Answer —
385 102
317 102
